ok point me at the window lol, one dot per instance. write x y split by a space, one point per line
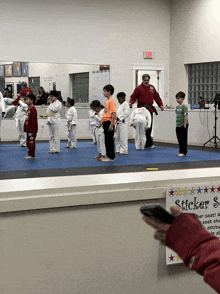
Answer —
80 87
203 80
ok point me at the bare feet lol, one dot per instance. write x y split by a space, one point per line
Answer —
101 157
107 160
29 157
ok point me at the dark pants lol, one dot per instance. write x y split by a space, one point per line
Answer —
31 144
181 134
109 142
149 141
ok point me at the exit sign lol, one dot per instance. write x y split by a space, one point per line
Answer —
147 54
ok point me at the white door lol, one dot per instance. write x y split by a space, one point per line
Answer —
154 77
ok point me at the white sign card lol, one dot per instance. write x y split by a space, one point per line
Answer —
203 200
99 80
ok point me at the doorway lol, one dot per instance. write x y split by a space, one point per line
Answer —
156 73
154 77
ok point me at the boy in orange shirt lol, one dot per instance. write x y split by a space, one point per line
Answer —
108 122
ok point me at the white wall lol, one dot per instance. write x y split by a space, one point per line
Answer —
195 38
114 32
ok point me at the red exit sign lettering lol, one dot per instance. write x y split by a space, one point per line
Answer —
148 54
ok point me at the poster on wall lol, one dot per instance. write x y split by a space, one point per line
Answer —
203 200
16 66
2 70
8 70
25 69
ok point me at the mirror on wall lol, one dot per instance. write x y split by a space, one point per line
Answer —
83 82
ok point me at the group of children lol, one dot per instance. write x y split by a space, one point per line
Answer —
27 123
104 123
140 120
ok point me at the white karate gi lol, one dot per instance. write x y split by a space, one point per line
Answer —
71 117
10 111
92 125
121 135
99 133
141 119
8 101
20 118
53 121
2 106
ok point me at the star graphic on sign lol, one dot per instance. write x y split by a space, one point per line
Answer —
177 258
185 191
178 192
192 191
199 191
212 189
171 257
171 193
218 189
206 190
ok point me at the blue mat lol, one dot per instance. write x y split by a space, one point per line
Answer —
12 157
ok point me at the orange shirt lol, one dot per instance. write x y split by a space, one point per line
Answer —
110 108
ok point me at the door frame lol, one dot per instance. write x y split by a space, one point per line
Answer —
157 67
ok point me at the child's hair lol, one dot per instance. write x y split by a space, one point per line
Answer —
54 93
109 88
32 97
70 101
23 97
96 104
180 95
121 94
9 95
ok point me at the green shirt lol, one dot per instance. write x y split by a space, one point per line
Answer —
181 111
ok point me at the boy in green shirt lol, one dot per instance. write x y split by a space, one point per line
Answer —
181 123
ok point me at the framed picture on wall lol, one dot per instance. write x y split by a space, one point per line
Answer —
8 70
104 67
2 70
16 69
10 87
25 69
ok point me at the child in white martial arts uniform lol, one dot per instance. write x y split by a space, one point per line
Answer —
2 106
121 135
99 131
53 121
71 117
140 120
92 125
20 118
10 111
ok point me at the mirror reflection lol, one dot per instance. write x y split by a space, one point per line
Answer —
83 82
